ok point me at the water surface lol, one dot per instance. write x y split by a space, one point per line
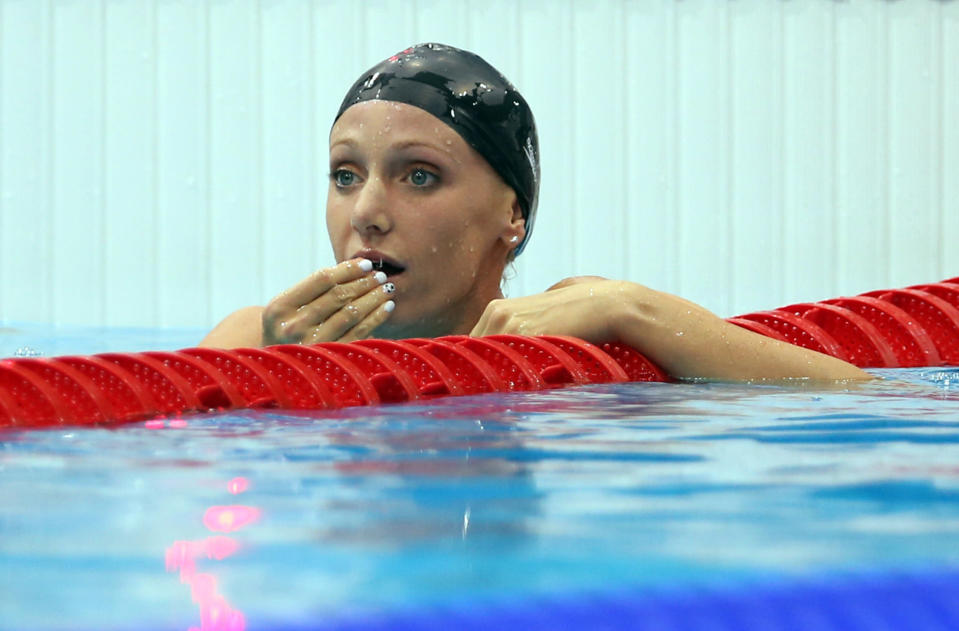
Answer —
249 518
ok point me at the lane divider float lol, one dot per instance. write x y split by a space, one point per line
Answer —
911 327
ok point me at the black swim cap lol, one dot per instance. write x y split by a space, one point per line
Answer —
473 98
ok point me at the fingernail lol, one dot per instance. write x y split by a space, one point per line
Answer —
379 276
389 288
389 305
366 265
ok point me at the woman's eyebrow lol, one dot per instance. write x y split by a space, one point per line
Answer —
412 144
350 143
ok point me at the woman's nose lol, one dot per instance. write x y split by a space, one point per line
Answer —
371 211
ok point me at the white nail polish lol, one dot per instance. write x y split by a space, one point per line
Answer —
389 288
380 277
366 265
389 305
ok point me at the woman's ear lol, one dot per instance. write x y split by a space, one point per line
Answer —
515 229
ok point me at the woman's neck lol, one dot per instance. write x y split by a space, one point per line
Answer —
452 322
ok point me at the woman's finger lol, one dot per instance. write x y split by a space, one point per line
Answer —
493 320
286 322
322 281
342 297
480 328
369 324
358 319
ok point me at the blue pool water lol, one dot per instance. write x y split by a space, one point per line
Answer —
484 504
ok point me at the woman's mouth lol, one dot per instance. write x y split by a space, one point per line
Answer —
390 269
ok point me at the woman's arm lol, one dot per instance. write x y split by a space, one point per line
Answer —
684 339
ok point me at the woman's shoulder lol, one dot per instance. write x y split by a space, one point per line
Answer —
575 280
243 327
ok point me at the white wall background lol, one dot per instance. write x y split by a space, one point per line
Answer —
163 162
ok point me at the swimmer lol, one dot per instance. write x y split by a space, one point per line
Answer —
434 176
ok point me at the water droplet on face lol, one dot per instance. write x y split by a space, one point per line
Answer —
449 142
680 333
435 249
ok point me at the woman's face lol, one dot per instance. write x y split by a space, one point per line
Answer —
406 189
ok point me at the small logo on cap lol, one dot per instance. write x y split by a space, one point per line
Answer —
396 57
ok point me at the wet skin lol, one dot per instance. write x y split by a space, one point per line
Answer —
407 189
409 196
421 227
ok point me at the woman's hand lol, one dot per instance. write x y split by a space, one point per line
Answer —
338 304
682 338
342 303
583 307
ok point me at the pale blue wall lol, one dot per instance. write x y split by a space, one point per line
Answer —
163 162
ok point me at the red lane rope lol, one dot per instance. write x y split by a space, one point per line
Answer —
915 326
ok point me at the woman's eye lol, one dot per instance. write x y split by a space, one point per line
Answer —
344 178
422 177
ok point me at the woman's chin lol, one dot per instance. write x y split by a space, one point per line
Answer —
401 326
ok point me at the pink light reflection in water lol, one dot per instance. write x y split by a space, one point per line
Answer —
159 423
216 614
229 518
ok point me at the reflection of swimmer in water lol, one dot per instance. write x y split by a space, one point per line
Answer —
434 177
